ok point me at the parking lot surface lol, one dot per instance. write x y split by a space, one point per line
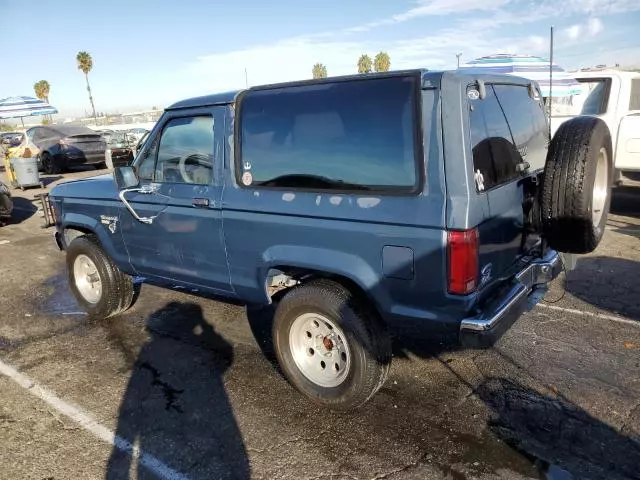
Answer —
185 387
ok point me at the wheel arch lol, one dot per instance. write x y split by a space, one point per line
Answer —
302 264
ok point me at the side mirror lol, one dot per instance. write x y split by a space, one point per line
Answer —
125 177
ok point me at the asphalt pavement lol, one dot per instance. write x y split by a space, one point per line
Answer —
184 387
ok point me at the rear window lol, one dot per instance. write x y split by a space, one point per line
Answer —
356 135
494 155
527 123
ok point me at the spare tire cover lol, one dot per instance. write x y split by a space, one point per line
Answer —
576 185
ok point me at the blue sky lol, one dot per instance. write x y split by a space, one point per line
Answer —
151 53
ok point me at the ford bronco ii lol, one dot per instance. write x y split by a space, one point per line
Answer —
347 203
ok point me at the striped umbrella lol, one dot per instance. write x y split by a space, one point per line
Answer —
13 107
528 66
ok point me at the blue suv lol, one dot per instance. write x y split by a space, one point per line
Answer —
347 203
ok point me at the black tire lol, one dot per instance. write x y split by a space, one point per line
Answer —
49 165
366 335
568 185
117 287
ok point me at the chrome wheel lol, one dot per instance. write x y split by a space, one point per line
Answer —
319 349
87 279
600 187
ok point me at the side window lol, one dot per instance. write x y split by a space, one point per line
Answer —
634 102
182 154
357 135
527 122
494 155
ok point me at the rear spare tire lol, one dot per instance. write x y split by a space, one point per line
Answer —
576 186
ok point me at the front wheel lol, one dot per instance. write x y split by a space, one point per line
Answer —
330 345
96 282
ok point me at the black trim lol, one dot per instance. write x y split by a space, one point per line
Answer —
418 145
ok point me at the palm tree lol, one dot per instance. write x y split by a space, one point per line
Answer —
85 63
42 91
364 64
319 71
382 62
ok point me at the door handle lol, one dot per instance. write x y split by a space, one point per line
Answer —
200 202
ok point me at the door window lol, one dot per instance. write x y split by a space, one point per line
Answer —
494 155
182 154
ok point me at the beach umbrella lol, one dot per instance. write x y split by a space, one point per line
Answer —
531 67
14 107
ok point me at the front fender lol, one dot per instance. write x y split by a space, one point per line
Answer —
327 261
111 242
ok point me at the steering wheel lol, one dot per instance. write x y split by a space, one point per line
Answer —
197 158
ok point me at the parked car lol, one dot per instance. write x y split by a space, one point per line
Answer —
138 146
613 96
6 204
349 203
61 146
120 149
137 133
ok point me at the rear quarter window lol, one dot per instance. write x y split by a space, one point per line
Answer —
356 135
634 101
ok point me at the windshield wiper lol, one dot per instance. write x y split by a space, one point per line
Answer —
303 180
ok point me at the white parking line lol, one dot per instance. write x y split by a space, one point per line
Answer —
87 422
613 318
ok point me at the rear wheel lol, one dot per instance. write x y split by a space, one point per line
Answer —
330 345
49 165
576 191
96 282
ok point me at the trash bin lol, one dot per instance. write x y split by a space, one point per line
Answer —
26 172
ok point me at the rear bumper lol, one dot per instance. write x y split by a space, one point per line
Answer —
498 314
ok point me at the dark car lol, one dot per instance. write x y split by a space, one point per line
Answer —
62 146
430 199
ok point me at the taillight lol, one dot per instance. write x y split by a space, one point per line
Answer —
463 261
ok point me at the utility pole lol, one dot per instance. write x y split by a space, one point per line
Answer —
458 55
246 78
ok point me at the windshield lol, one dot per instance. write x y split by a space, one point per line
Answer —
591 101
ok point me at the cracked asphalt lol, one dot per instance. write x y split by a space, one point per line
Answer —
191 382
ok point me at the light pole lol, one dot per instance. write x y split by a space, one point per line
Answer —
458 55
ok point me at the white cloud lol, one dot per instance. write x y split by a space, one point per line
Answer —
594 26
573 32
591 28
425 8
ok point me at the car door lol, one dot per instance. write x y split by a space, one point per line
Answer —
183 243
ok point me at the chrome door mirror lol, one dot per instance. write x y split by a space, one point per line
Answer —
126 178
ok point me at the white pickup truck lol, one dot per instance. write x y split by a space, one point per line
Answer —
613 96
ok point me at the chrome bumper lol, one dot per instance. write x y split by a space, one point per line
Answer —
499 314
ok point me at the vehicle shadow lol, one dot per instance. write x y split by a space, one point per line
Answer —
557 433
608 283
626 201
175 416
49 179
23 209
